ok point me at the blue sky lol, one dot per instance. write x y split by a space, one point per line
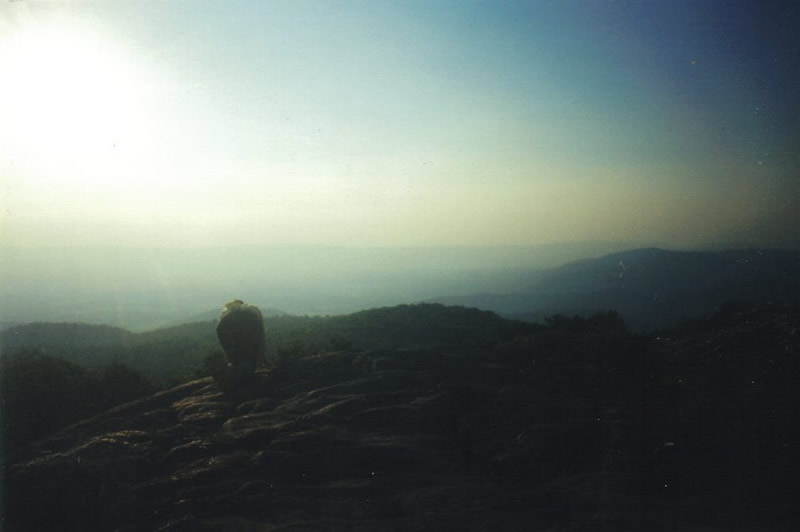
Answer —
399 123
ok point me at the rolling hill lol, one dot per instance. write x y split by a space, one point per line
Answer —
180 350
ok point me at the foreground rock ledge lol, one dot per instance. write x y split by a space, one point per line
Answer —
342 441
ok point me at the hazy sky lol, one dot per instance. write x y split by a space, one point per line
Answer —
193 123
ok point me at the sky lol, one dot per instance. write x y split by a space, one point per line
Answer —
436 123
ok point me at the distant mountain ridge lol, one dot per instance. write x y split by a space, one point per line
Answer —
141 289
213 314
7 325
63 335
650 287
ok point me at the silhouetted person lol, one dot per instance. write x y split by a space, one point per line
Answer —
241 333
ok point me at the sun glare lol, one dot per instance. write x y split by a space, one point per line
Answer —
72 103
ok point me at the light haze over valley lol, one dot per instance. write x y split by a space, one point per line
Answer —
141 288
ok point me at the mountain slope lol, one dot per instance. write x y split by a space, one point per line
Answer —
651 288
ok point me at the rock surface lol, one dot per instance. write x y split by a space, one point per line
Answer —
343 441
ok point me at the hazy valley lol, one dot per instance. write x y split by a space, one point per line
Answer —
146 289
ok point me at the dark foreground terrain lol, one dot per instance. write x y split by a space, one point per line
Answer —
580 426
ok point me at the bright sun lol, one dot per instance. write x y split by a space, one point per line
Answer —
69 100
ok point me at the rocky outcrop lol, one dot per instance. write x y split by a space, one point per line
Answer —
350 441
